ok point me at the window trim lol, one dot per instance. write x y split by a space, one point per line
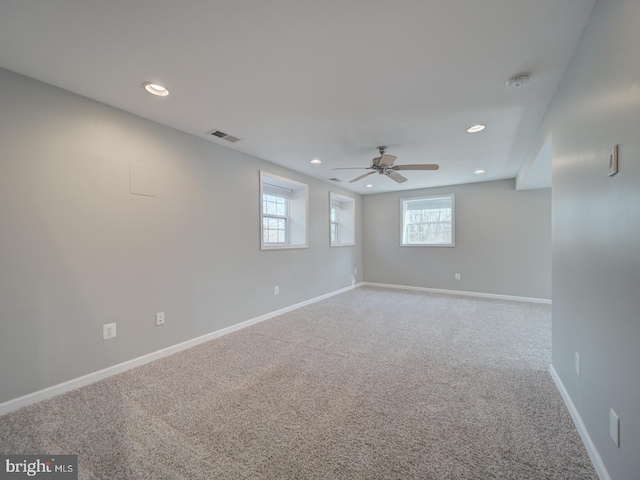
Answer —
453 221
299 190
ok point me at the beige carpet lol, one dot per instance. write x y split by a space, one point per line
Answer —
369 384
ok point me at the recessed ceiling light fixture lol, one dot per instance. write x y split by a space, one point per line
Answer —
476 128
480 171
155 89
316 161
368 185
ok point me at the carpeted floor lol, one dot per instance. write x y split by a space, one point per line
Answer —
369 384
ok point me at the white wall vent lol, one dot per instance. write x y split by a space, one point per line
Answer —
223 135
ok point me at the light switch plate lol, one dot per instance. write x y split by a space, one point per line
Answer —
613 161
614 427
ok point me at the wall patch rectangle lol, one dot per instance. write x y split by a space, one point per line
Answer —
142 181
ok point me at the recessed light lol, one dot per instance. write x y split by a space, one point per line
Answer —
480 171
368 185
476 128
316 161
156 89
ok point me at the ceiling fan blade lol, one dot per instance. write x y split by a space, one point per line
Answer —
351 168
361 177
422 166
386 160
396 176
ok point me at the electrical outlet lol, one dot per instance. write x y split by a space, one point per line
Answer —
160 318
457 276
108 331
355 272
614 427
353 280
276 290
577 364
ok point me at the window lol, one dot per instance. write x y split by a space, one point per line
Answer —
341 220
334 225
275 216
283 212
428 221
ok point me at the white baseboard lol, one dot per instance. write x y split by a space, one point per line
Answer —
460 292
31 398
596 459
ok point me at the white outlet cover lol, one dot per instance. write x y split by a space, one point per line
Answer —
108 331
160 318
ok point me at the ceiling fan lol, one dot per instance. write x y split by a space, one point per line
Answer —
383 165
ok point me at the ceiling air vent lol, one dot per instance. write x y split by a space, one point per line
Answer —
225 136
334 179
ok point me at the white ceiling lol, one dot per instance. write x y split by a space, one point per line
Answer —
327 79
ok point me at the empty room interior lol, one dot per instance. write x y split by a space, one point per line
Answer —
341 240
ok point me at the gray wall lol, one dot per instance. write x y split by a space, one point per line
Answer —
502 236
77 250
596 231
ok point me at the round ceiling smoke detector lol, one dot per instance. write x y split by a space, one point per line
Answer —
517 82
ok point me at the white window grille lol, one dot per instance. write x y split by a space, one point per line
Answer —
283 212
428 221
341 220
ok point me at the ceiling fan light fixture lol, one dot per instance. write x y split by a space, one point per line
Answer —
156 89
315 161
476 128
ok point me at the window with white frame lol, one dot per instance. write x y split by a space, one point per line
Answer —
334 224
283 212
428 221
275 216
341 220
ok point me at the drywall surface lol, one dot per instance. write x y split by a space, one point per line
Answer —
502 242
78 250
596 231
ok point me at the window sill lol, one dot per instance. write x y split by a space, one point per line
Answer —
282 247
429 245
